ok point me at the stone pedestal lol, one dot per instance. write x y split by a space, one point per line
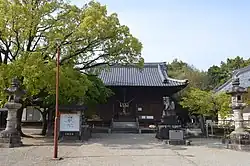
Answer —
239 135
238 119
10 137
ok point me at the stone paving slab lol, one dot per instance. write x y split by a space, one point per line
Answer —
122 150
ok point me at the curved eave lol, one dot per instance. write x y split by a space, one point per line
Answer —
151 75
235 73
179 83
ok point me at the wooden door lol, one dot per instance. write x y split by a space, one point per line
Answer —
155 109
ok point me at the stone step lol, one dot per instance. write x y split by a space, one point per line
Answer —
125 119
124 125
125 130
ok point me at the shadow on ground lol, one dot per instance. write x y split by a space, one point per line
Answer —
131 141
118 141
113 141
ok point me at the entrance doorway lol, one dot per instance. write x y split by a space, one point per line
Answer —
124 111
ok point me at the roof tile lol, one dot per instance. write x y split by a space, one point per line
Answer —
152 74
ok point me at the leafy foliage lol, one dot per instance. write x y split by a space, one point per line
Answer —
221 102
198 101
39 79
197 97
89 37
218 75
206 103
97 93
181 70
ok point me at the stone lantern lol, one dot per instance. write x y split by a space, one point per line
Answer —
239 135
10 136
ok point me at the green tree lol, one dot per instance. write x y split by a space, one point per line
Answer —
38 79
218 75
177 68
221 103
88 37
181 70
206 103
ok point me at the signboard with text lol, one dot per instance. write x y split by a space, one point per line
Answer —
69 122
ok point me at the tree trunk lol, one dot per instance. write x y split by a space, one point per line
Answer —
202 123
19 122
19 119
45 122
50 123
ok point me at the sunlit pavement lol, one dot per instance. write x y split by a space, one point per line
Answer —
125 150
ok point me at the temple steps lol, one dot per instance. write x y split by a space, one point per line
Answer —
125 127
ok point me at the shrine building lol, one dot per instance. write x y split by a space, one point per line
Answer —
138 92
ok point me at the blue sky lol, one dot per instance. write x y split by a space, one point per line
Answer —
200 32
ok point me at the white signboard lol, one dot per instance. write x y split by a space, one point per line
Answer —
139 109
146 117
70 122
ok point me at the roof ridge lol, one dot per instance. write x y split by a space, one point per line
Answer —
242 70
146 64
217 89
235 73
152 74
155 63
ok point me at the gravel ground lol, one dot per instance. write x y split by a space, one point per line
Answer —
122 150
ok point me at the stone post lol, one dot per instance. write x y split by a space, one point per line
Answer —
10 137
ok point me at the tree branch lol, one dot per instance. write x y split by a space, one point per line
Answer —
93 60
44 28
79 51
31 38
18 45
93 44
34 46
5 52
5 60
94 65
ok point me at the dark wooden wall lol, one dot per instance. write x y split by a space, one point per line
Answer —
148 98
3 116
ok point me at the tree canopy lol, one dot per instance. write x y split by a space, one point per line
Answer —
218 75
198 97
88 37
206 103
181 70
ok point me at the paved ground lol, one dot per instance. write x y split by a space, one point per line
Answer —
122 150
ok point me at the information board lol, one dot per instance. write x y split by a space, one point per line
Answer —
69 122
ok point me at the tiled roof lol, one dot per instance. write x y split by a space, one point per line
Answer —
152 74
243 74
